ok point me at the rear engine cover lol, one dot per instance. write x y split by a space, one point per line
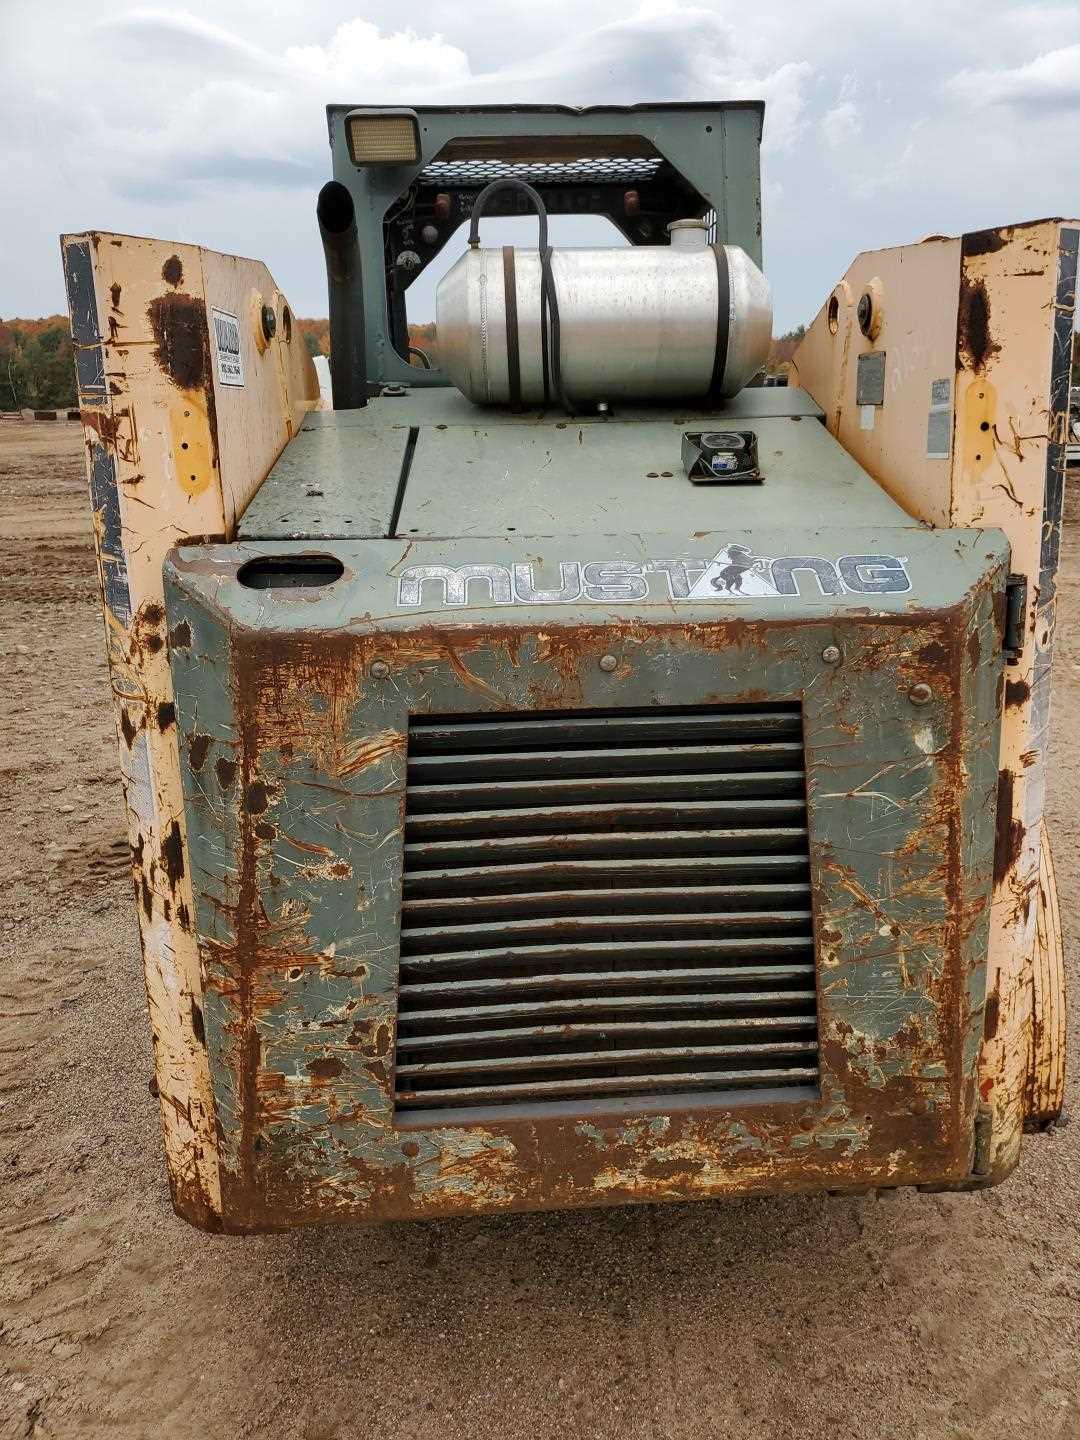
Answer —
539 873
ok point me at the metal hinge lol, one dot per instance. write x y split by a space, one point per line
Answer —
1016 589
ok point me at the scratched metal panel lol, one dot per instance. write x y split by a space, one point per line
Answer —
340 477
590 478
292 750
992 312
443 405
169 454
332 480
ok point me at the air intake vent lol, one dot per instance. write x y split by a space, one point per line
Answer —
465 174
605 904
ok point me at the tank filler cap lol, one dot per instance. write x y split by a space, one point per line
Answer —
688 234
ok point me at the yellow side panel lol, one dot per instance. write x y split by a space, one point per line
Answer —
176 447
969 431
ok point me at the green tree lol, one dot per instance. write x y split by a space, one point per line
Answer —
9 346
37 372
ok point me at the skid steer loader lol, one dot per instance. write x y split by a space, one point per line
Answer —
568 772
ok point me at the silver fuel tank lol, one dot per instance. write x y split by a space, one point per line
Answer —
637 323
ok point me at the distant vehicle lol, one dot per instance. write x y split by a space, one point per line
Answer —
567 774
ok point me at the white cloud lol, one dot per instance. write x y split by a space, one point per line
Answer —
1050 81
359 56
205 122
202 106
662 51
785 104
843 122
184 37
236 112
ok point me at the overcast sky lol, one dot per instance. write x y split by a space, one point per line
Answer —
205 122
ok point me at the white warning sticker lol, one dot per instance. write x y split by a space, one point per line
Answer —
230 360
939 420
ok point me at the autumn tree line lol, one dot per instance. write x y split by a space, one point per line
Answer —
37 368
37 371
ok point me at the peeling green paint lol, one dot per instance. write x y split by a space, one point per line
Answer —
297 862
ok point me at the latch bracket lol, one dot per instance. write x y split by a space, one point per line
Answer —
1016 590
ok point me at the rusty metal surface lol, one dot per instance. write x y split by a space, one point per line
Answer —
292 752
171 453
261 1127
1046 1065
978 329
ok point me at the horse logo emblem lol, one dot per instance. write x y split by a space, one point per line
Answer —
735 570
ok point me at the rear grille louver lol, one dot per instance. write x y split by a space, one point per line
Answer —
603 905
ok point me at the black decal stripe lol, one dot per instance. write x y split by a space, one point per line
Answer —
82 307
403 481
105 499
1053 498
1060 368
723 301
513 349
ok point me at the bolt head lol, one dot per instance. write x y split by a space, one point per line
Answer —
831 654
608 663
380 669
920 694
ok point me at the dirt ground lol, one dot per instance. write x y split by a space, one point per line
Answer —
904 1316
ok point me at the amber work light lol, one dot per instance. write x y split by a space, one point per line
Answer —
383 137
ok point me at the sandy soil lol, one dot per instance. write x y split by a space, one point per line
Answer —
904 1316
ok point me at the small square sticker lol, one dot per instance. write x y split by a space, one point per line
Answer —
939 420
230 360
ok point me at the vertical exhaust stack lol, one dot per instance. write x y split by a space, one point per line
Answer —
348 359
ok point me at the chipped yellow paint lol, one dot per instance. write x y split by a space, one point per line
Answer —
155 407
1046 1071
977 430
193 462
980 315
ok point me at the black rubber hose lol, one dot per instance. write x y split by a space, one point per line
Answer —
550 334
420 355
341 249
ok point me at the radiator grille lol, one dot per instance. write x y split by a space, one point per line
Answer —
605 904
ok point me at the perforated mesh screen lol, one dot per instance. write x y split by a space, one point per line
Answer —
458 174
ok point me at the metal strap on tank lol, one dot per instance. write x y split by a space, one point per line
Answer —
513 351
723 301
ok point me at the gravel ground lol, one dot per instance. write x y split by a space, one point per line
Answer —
904 1316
